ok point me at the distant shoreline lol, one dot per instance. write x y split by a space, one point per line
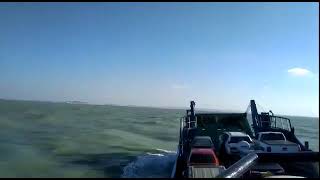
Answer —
76 102
138 106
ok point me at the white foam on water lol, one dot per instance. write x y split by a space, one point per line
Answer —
166 151
150 165
152 154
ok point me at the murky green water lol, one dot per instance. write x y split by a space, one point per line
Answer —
40 139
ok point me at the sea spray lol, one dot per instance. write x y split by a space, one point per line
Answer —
150 165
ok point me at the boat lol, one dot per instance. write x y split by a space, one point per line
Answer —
257 161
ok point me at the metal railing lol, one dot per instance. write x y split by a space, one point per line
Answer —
191 124
188 123
185 122
277 122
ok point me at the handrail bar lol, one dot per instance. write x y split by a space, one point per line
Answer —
274 120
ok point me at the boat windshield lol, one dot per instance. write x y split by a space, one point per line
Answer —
238 139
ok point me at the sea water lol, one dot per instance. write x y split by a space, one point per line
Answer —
43 139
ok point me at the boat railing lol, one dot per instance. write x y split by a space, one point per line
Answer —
181 128
186 122
277 122
190 124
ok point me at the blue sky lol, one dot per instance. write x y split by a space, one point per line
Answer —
163 54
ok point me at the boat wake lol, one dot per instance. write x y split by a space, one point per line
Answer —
151 165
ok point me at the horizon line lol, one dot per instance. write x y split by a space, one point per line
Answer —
144 106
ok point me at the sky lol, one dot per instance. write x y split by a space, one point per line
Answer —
221 55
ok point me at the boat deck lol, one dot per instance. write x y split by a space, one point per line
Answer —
255 164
